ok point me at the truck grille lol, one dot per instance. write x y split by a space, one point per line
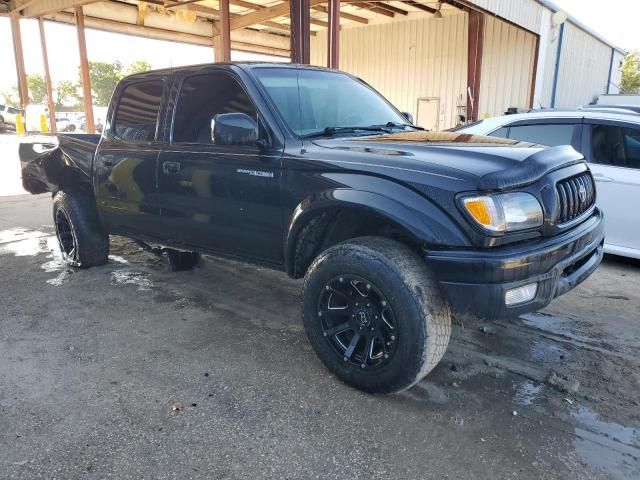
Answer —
576 195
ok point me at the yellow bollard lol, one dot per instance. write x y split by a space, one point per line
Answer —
19 124
44 127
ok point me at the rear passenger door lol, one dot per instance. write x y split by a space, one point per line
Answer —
223 198
613 148
125 162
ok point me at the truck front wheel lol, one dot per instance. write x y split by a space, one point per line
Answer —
374 314
82 239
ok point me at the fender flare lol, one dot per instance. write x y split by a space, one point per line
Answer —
416 214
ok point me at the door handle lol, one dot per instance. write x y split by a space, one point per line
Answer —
602 178
170 168
107 160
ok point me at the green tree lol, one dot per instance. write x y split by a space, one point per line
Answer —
104 77
11 97
37 89
66 94
138 67
631 73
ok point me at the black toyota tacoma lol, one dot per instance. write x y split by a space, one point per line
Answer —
311 171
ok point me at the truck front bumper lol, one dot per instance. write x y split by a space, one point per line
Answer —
477 282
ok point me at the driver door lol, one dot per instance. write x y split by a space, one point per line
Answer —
221 198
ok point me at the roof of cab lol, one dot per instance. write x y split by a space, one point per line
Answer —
245 65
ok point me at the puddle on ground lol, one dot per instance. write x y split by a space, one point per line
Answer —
527 392
609 446
118 259
22 242
131 277
554 325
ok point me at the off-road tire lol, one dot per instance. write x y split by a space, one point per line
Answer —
422 315
90 240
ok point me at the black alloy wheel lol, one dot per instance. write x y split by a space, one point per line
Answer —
358 321
66 236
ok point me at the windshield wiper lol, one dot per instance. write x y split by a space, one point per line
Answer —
402 125
330 131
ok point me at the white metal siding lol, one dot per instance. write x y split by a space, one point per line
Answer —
407 60
584 68
616 73
507 67
526 13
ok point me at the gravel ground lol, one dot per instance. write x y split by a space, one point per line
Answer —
130 371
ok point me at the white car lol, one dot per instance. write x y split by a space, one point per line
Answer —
8 115
610 142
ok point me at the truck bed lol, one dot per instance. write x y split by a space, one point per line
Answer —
50 161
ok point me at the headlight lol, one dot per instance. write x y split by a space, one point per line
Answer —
505 212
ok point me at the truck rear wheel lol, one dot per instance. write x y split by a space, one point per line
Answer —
83 241
374 314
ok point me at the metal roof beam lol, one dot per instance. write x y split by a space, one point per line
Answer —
45 7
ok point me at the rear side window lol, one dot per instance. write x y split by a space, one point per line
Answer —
202 97
502 132
617 146
137 114
549 134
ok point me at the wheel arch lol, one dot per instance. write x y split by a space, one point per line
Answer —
336 215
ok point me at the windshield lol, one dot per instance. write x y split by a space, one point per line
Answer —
313 101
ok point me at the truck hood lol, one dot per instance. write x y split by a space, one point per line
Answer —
472 162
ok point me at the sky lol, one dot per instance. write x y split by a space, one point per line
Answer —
616 20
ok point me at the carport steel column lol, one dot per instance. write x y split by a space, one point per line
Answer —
333 37
84 68
300 31
47 76
19 57
222 41
474 62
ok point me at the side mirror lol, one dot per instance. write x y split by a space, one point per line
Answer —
234 129
408 116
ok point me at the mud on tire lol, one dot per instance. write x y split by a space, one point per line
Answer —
83 241
375 315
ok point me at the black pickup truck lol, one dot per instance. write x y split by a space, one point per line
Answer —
311 171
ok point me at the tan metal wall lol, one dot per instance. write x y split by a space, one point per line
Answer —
407 60
507 67
525 13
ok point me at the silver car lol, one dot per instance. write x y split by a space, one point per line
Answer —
609 140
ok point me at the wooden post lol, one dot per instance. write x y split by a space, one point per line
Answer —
84 69
47 77
474 62
23 90
300 31
333 35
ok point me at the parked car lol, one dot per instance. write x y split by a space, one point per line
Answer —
76 123
62 124
311 171
609 141
8 115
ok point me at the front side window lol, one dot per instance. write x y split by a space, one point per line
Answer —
547 134
616 146
202 97
136 118
310 101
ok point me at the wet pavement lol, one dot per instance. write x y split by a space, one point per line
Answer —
91 363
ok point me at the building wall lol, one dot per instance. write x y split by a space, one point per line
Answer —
525 13
407 60
616 72
507 67
584 68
